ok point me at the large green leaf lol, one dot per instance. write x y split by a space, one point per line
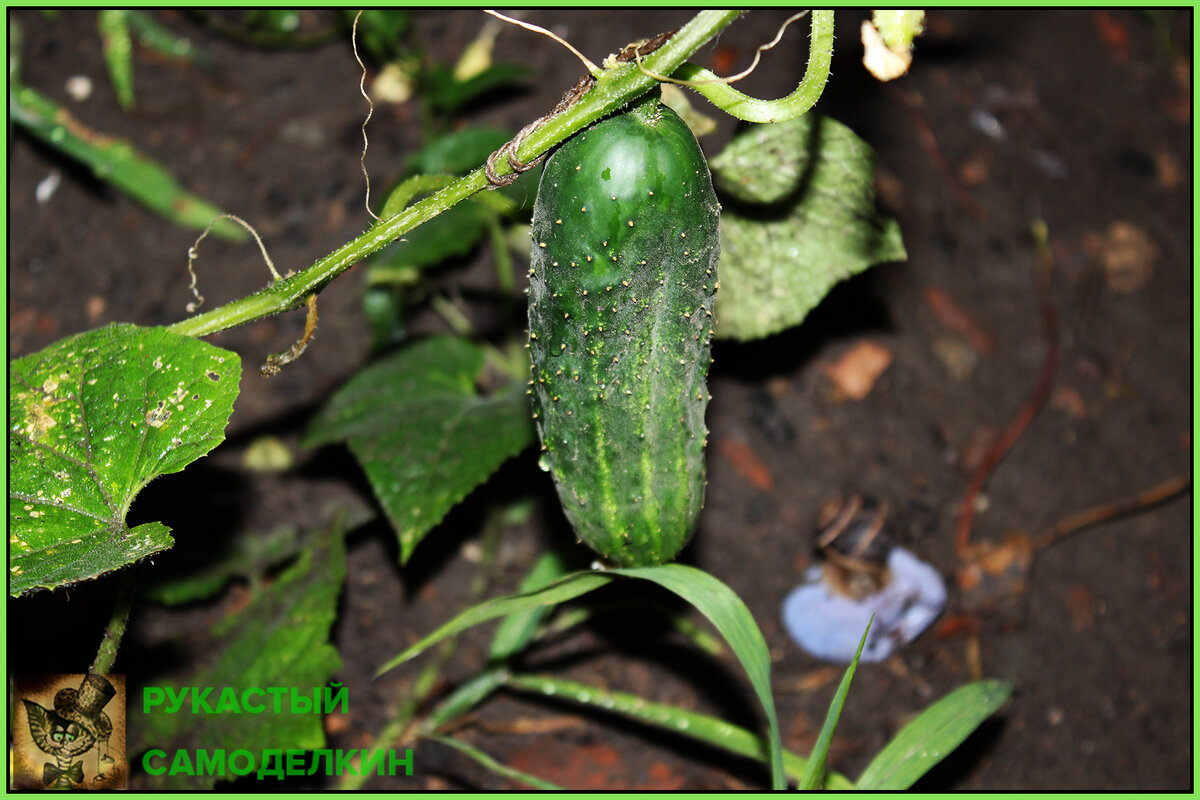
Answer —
423 434
713 599
933 735
803 218
92 419
281 639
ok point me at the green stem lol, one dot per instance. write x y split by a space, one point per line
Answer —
751 109
106 656
620 83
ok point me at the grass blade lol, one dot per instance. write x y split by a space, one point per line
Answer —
117 162
816 763
517 630
567 588
729 614
933 735
703 727
118 53
495 766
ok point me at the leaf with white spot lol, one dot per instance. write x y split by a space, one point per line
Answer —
92 419
423 434
798 216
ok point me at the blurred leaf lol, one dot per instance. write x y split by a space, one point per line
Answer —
117 162
492 765
281 639
118 53
422 433
153 36
933 735
683 722
248 557
458 152
92 419
453 233
15 40
381 32
274 20
806 221
448 95
815 774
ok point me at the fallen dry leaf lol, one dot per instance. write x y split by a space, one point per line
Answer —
1115 35
1127 254
1069 401
855 373
956 356
746 462
956 319
1080 601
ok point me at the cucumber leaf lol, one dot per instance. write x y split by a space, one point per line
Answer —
798 216
92 419
422 433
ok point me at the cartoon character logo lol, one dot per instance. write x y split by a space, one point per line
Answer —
70 729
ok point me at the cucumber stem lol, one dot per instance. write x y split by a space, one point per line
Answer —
619 84
751 109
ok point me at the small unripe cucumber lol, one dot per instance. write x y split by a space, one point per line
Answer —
622 284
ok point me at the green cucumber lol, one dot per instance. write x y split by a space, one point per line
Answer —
621 290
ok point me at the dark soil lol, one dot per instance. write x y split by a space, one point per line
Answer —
1081 119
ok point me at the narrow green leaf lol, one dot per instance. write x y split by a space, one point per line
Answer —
803 218
703 727
495 766
713 599
464 698
566 588
424 436
117 162
517 630
281 639
118 53
933 735
816 763
92 419
726 611
153 36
